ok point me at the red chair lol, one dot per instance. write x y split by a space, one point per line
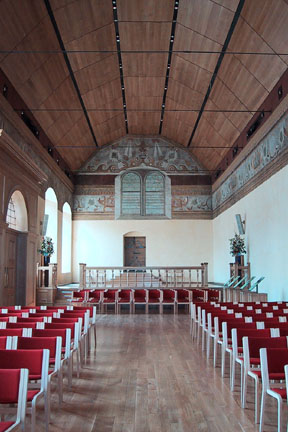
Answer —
95 297
74 348
5 342
54 345
125 297
183 297
140 297
251 351
37 362
154 297
273 364
13 391
110 297
168 298
80 296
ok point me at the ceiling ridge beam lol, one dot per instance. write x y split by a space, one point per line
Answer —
172 35
68 64
115 16
217 67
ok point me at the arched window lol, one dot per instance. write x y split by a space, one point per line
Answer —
143 194
66 238
131 194
51 210
17 212
154 194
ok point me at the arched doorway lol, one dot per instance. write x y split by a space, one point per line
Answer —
16 250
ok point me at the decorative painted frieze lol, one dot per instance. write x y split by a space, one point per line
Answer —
194 203
141 152
269 150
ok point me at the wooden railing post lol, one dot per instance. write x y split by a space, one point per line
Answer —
52 278
204 274
82 281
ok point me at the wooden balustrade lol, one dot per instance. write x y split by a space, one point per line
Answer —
46 292
143 277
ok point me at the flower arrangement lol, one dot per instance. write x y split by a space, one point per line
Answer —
237 245
47 246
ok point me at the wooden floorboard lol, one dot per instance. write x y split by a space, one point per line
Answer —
146 375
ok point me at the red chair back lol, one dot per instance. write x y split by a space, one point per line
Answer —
55 326
125 294
140 295
41 314
255 343
252 333
48 333
153 294
28 359
11 332
21 325
168 295
32 320
277 358
32 343
182 295
9 385
3 341
110 294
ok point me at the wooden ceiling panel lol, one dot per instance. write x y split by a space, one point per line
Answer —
206 18
265 68
181 113
190 75
269 18
113 135
61 124
184 95
145 10
144 64
14 27
178 132
242 83
99 117
143 102
78 18
221 123
209 158
104 95
98 74
98 40
75 158
145 123
186 39
144 36
114 123
144 86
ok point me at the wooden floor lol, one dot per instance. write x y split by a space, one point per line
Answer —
147 376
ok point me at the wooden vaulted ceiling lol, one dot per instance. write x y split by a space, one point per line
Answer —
32 60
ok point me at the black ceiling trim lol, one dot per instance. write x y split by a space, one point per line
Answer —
172 36
68 64
115 16
143 52
139 110
217 67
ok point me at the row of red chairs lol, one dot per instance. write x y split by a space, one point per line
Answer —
133 297
58 341
251 344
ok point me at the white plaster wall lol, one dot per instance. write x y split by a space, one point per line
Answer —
266 213
168 242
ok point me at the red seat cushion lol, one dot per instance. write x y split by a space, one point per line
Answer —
5 425
281 392
31 394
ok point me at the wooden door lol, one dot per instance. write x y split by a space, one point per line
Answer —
134 251
10 268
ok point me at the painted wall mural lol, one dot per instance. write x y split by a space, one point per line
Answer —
141 152
94 200
267 151
191 203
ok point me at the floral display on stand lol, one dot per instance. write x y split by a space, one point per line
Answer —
47 247
237 245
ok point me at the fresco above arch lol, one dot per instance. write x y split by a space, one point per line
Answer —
141 152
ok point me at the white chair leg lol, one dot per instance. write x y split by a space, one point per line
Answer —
60 386
262 411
